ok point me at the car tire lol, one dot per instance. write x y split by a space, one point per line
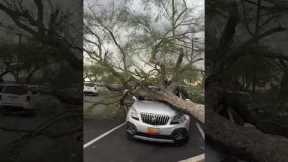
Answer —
129 137
130 131
181 137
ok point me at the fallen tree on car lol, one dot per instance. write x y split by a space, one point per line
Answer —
246 142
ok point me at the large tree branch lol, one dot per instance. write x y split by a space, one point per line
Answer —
235 54
178 66
277 5
40 14
124 54
25 21
246 142
15 16
229 31
196 110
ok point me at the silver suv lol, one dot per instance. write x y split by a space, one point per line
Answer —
156 121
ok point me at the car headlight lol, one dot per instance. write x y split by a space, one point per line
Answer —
178 119
134 114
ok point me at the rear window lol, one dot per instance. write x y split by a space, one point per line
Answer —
19 90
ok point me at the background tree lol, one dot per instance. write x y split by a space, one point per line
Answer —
134 47
240 58
47 24
50 41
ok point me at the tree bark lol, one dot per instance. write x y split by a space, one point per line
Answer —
196 110
246 142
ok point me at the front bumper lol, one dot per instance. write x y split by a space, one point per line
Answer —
165 132
154 138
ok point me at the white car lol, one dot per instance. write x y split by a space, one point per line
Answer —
15 96
90 89
156 121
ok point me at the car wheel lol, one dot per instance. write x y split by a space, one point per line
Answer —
129 137
180 136
130 131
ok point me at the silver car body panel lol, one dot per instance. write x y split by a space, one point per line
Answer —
155 108
153 139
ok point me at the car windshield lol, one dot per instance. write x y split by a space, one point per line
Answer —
19 90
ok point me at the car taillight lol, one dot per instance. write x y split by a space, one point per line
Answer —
28 98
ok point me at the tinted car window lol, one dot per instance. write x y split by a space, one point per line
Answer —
19 90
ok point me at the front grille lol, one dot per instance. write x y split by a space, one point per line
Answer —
154 119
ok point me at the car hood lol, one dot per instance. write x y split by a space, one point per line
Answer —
153 107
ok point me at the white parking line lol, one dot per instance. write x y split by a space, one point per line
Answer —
200 130
102 135
198 158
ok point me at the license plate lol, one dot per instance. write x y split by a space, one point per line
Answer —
153 131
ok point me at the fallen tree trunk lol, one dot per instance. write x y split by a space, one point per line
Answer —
196 110
247 142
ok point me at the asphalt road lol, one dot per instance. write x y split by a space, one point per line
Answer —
115 147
